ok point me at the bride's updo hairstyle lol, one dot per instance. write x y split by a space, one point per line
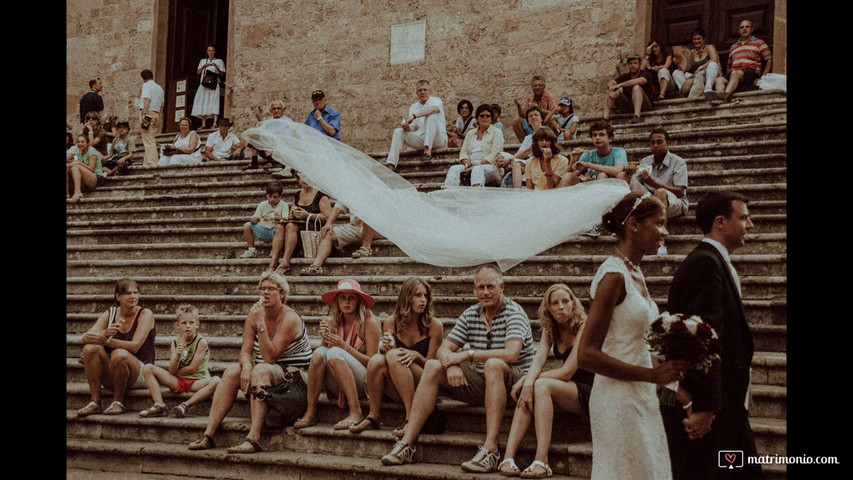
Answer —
637 205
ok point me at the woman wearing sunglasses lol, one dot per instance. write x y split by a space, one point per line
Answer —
479 150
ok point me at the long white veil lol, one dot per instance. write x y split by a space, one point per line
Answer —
452 227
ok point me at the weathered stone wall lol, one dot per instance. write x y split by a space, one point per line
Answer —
110 39
480 51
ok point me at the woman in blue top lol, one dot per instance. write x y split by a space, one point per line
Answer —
561 317
82 169
412 336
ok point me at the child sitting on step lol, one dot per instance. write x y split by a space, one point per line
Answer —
188 371
261 224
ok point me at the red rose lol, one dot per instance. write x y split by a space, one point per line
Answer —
677 326
704 331
715 346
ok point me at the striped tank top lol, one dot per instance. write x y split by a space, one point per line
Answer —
298 353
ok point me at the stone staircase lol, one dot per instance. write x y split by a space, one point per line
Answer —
177 231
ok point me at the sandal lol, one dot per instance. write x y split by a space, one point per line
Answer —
311 270
369 423
304 423
203 443
401 430
346 424
513 471
156 410
76 198
91 409
115 408
530 473
283 269
239 448
180 410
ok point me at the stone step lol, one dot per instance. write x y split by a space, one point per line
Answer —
760 311
747 265
449 449
216 231
754 287
764 243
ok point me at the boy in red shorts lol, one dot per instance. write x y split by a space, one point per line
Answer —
188 371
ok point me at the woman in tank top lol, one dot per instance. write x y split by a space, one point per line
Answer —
310 206
561 318
274 338
412 336
115 349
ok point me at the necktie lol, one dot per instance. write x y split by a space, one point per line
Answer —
736 278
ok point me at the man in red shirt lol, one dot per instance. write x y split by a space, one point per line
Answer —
540 98
744 66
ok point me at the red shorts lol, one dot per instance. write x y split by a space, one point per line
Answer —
184 385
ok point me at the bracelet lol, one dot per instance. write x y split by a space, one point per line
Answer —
548 174
687 405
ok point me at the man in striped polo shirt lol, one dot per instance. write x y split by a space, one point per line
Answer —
500 350
744 65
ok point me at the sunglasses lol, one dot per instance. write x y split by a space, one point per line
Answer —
484 115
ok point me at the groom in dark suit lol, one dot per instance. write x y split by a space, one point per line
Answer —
711 414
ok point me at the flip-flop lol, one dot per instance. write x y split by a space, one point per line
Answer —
514 470
75 198
115 408
203 443
346 424
282 270
91 408
304 423
369 423
253 447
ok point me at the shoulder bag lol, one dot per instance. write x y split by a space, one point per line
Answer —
287 400
209 79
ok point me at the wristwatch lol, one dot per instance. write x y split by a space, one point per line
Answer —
471 354
262 329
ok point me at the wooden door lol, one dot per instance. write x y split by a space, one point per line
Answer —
193 25
674 20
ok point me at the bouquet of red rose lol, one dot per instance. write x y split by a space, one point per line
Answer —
678 337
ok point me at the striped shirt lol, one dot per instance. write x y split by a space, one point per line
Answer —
748 55
298 353
510 323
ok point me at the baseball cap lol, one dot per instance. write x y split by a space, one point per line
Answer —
633 56
317 94
566 101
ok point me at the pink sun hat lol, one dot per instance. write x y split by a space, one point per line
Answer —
348 285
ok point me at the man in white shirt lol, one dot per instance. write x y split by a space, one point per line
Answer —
280 123
220 143
150 104
423 128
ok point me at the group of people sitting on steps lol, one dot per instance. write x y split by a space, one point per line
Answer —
489 358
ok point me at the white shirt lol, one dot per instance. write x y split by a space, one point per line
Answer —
221 147
417 107
151 90
280 124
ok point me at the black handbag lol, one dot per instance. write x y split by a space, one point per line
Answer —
287 400
209 79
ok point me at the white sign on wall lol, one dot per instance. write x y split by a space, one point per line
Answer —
408 41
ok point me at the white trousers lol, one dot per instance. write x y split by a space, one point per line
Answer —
178 159
712 71
480 175
432 135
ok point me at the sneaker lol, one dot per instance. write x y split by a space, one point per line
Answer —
662 250
594 232
249 253
636 119
483 462
362 252
281 173
400 454
426 158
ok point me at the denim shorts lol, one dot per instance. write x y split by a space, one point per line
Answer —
260 232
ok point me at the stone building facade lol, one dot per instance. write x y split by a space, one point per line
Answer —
367 55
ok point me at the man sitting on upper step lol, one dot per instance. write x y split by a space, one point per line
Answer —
500 351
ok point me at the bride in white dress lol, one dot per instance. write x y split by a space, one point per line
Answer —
628 437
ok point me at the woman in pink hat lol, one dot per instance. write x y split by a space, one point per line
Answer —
412 336
350 338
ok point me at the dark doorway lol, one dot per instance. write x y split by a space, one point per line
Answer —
674 20
193 25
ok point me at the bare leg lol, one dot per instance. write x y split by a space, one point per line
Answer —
125 369
316 379
377 377
346 381
223 398
495 372
204 389
520 423
261 376
424 402
404 379
277 243
96 365
248 236
323 251
291 234
547 393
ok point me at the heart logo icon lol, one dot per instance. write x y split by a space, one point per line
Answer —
731 457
